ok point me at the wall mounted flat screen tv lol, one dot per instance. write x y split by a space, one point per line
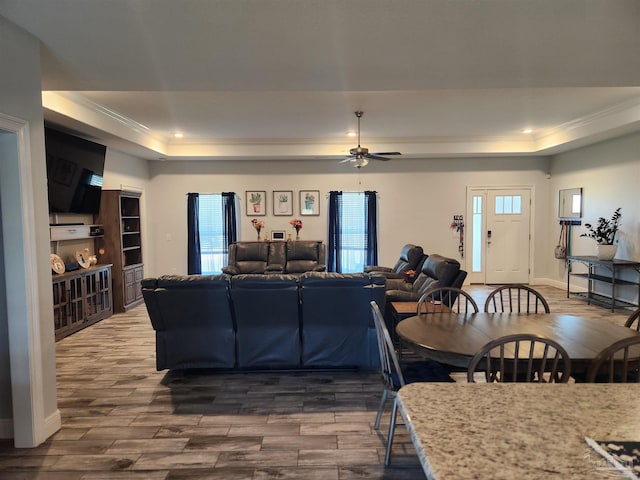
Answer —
74 172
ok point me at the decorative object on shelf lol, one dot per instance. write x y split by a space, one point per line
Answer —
309 202
604 233
83 258
277 234
458 226
297 224
258 225
283 202
256 203
57 265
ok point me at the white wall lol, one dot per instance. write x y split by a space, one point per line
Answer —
609 174
418 198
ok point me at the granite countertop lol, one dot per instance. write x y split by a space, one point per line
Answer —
523 431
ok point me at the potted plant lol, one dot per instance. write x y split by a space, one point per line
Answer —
604 233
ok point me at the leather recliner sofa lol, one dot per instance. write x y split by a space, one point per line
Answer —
411 258
276 257
254 322
436 271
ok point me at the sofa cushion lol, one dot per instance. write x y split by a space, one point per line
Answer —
336 329
192 319
305 256
267 318
251 257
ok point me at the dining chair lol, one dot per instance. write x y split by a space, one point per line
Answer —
394 377
521 358
634 320
516 298
618 363
453 299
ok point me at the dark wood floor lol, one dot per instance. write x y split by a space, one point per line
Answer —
121 419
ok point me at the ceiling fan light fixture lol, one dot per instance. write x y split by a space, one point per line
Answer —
360 162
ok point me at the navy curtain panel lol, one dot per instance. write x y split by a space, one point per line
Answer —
333 249
230 219
193 235
371 227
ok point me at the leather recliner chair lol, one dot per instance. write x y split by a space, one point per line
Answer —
411 258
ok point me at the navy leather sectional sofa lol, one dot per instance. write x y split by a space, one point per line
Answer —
253 321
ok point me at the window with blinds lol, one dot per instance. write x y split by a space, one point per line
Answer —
213 249
353 232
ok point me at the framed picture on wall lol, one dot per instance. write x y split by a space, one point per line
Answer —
309 202
282 202
256 203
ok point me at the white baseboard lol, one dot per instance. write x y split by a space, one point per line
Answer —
52 424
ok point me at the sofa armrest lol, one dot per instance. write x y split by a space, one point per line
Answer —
230 270
320 268
377 268
398 284
401 296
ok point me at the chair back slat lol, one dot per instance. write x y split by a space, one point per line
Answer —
521 358
446 299
618 363
516 299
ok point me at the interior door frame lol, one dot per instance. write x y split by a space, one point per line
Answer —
30 427
480 277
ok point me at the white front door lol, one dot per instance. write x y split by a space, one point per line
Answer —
500 235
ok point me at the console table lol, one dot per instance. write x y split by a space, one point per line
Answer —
604 272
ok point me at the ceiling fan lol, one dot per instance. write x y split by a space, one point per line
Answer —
360 156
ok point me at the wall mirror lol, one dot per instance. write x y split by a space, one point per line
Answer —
570 205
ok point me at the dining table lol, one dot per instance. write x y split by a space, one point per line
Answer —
453 338
524 430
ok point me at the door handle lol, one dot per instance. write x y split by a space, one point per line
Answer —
488 237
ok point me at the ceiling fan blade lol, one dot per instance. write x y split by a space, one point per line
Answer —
386 153
376 157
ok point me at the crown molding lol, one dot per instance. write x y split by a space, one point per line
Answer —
596 126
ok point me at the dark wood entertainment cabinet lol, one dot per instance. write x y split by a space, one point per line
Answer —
81 298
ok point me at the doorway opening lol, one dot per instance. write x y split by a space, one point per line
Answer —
499 234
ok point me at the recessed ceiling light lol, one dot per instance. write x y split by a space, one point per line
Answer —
527 130
351 134
178 135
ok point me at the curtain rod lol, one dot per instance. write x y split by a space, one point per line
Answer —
210 193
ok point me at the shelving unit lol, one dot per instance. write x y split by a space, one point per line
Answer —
608 275
121 245
81 298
